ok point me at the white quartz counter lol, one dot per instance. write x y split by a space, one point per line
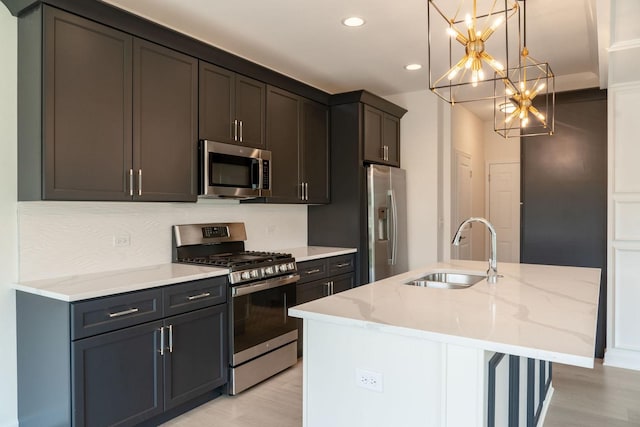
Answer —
94 285
308 253
85 286
537 311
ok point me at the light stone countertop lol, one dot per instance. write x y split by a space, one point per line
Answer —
538 311
308 253
93 285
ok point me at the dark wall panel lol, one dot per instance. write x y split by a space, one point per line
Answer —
564 191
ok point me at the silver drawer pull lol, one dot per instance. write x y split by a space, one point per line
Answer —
202 295
124 313
344 264
315 270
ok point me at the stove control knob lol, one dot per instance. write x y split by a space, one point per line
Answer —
245 275
254 273
268 270
291 266
284 267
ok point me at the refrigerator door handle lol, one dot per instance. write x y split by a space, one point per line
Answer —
394 227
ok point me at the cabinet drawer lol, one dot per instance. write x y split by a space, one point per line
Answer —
193 295
110 313
312 270
341 264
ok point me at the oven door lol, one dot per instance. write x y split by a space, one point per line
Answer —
260 320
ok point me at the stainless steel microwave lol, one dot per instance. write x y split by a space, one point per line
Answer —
233 172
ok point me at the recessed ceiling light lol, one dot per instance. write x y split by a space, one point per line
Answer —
412 67
353 21
507 107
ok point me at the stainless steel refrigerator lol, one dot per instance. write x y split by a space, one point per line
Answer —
387 221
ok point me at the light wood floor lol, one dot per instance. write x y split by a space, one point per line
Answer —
600 397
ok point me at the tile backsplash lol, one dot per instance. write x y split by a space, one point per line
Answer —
69 238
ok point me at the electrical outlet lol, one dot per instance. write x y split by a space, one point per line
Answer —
369 380
121 240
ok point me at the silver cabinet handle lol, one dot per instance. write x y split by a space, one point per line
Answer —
314 271
202 295
124 313
139 182
332 287
306 191
302 191
235 130
241 132
131 182
328 285
170 338
344 264
162 341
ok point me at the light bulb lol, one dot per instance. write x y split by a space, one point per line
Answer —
540 87
468 21
525 121
474 78
522 86
452 32
453 73
497 65
508 91
478 34
480 74
497 23
527 92
467 64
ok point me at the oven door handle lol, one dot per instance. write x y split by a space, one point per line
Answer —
250 288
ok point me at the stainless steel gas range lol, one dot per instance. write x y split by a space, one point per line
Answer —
262 287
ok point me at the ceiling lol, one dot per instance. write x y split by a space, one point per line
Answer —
306 40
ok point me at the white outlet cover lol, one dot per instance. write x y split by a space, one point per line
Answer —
370 380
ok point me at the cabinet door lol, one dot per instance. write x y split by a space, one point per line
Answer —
165 122
315 151
391 139
373 134
87 110
117 377
305 293
283 132
217 109
196 360
250 111
343 282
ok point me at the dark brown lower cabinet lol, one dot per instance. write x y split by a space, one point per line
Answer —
117 377
323 277
121 360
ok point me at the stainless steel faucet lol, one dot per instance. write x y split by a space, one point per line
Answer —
492 272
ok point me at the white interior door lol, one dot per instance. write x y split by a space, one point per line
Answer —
462 204
504 208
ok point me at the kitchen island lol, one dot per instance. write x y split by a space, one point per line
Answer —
388 353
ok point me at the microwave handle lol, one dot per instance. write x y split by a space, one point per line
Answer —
257 164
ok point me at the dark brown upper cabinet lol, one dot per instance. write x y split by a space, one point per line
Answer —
297 136
103 115
232 107
381 137
165 120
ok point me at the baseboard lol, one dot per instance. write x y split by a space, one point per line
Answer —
9 423
546 404
620 358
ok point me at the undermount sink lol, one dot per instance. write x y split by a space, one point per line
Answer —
447 280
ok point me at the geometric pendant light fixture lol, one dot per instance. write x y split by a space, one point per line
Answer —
524 102
470 44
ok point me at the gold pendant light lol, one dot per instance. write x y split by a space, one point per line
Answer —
469 44
529 92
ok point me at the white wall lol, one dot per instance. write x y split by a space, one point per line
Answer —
498 149
467 136
419 156
67 238
8 220
623 264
